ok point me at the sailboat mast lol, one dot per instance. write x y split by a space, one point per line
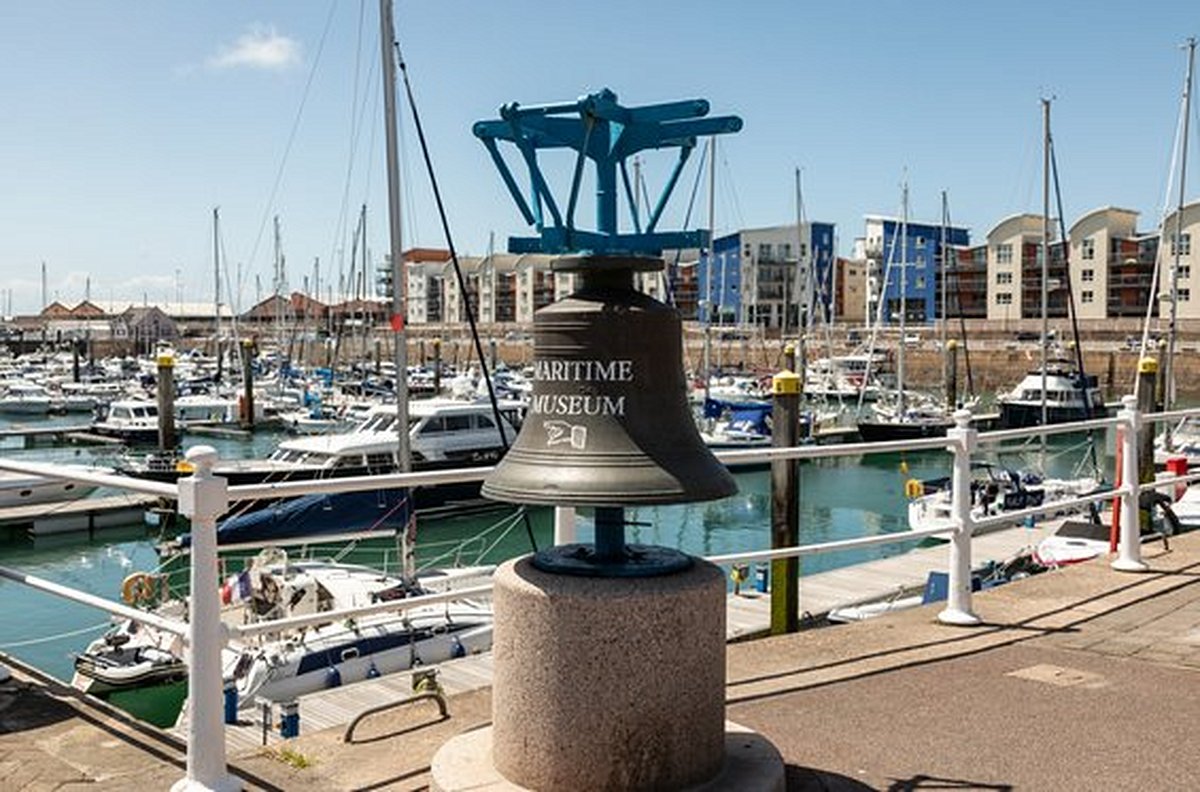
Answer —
903 300
945 314
1045 255
1168 372
387 39
712 227
217 278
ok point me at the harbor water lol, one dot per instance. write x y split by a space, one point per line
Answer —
840 498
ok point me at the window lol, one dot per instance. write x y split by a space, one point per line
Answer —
435 425
764 250
1087 296
1004 298
1185 295
920 243
1184 247
785 250
1004 278
1185 271
1088 249
1087 275
1004 254
458 423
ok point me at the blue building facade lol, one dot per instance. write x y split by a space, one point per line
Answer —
719 282
823 242
754 276
920 245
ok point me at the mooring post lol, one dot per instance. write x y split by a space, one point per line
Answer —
1129 548
202 498
247 411
437 366
964 439
166 401
951 374
785 498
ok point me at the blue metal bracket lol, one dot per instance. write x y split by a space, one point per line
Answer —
598 128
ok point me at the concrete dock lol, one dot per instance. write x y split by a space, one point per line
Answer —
85 514
1083 678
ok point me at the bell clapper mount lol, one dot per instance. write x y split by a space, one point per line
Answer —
609 425
610 556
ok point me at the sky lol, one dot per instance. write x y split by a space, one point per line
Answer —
125 124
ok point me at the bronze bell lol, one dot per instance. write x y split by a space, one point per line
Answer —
609 422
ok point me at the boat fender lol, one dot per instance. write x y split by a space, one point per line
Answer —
456 647
333 677
372 671
739 574
913 489
137 588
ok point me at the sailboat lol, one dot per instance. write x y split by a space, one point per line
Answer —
1059 390
905 415
138 662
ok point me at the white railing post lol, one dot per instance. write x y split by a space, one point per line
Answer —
1129 548
564 525
202 498
963 439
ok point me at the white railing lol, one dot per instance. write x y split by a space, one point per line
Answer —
203 497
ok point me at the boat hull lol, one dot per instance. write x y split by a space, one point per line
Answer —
880 431
1018 415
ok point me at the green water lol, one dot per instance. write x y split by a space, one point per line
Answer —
839 499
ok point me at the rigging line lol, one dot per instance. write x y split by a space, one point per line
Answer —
55 637
1176 150
962 319
462 281
358 112
731 190
687 219
1072 313
879 312
287 150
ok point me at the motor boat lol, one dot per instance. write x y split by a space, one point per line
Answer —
443 433
287 663
23 489
131 421
994 490
26 398
1069 396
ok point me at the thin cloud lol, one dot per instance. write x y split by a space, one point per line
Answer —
259 48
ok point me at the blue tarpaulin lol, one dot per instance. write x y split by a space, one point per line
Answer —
314 515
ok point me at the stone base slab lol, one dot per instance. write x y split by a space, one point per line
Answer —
752 764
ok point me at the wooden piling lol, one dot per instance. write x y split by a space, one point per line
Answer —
785 498
166 401
246 411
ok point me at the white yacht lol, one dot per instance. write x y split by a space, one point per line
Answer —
847 377
22 489
443 433
288 663
1070 396
133 421
994 490
26 398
